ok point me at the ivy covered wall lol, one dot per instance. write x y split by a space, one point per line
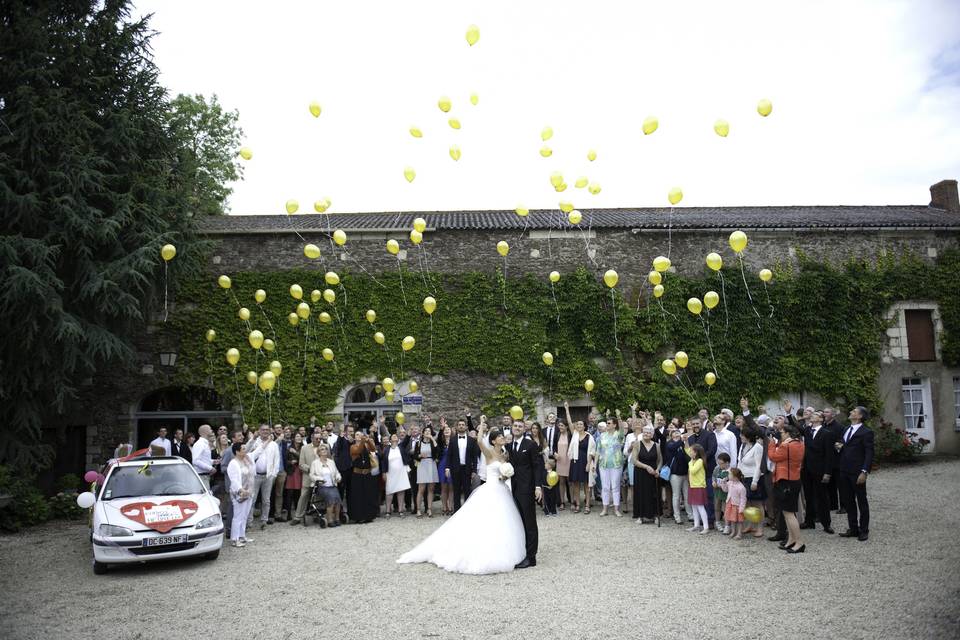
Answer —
816 327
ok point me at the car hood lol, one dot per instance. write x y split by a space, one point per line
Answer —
111 511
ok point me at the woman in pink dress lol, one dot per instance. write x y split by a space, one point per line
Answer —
563 459
294 481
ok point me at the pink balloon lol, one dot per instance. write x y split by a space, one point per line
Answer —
90 476
101 478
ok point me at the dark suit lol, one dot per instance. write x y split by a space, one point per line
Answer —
344 462
856 457
818 457
181 449
528 473
707 440
461 474
552 438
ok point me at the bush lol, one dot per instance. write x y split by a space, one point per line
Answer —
64 506
29 506
897 445
70 482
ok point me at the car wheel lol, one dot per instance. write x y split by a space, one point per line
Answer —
213 555
99 568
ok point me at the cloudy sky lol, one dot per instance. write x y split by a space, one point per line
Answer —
866 99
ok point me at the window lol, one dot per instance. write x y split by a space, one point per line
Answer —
913 404
956 403
920 345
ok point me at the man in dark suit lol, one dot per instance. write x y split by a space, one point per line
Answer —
179 448
856 458
708 441
552 433
833 491
529 475
819 453
343 460
463 452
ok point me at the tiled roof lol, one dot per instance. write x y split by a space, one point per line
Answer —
897 216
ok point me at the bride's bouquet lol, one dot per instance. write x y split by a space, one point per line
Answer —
506 471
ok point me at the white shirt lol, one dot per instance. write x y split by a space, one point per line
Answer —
815 429
267 457
727 443
332 440
852 429
751 460
629 440
462 446
550 431
201 456
482 468
162 442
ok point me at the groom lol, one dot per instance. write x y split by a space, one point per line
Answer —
529 475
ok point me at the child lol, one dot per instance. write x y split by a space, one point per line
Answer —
736 502
697 494
551 495
720 474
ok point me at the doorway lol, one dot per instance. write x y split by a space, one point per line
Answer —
918 408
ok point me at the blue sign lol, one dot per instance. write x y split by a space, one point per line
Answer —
413 400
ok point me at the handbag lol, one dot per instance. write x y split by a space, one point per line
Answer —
374 464
665 473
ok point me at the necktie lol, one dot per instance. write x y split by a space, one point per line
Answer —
846 436
516 447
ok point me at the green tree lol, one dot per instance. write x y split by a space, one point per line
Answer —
91 186
209 141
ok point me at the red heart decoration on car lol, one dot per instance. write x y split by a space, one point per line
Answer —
160 517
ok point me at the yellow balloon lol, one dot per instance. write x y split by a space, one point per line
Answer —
669 367
409 173
429 305
710 378
554 276
325 317
315 295
681 358
233 357
389 396
766 275
552 478
393 247
420 224
211 335
267 381
388 384
658 291
167 252
738 241
399 417
416 237
503 248
661 263
547 358
560 188
293 319
252 377
546 133
329 296
315 109
764 107
588 385
711 299
714 261
246 153
752 514
255 338
574 217
244 313
416 132
340 237
414 387
721 128
694 306
675 195
516 412
303 310
474 99
473 35
654 278
594 188
379 338
556 178
610 278
320 206
311 251
650 124
269 345
259 295
331 278
296 292
371 316
566 206
327 354
408 343
522 211
454 123
455 152
591 155
292 206
581 182
276 368
224 282
444 104
546 151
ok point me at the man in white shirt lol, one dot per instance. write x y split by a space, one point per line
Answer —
334 435
161 442
202 461
726 441
266 456
704 416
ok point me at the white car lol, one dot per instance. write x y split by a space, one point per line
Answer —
154 509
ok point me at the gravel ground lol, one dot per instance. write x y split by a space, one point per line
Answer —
596 578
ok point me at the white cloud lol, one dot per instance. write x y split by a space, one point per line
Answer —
865 99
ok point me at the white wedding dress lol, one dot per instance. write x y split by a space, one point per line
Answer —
484 536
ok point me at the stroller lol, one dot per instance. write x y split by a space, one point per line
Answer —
316 508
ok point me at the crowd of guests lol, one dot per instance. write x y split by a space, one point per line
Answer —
710 472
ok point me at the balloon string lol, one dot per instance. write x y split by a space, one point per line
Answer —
706 331
165 309
427 263
586 241
726 313
749 296
669 231
555 303
269 324
503 287
767 291
369 275
684 387
236 383
526 223
613 303
269 409
430 360
402 292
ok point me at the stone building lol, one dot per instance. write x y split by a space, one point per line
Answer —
918 390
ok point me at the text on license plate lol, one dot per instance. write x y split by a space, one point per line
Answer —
164 540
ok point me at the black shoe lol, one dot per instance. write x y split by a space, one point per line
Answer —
801 549
776 538
295 521
783 545
808 526
850 533
863 536
841 511
532 561
828 530
523 564
270 521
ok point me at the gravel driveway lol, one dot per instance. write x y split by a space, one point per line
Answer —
597 577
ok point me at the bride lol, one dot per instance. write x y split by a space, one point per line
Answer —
486 534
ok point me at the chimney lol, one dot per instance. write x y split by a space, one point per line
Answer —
943 195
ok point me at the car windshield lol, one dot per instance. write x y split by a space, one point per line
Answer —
152 480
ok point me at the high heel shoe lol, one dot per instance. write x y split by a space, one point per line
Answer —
801 549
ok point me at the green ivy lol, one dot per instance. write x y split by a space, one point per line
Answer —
817 327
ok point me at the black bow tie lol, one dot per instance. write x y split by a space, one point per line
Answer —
463 437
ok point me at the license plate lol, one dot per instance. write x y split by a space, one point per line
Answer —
164 540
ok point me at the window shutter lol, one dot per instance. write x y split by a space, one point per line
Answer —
920 345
